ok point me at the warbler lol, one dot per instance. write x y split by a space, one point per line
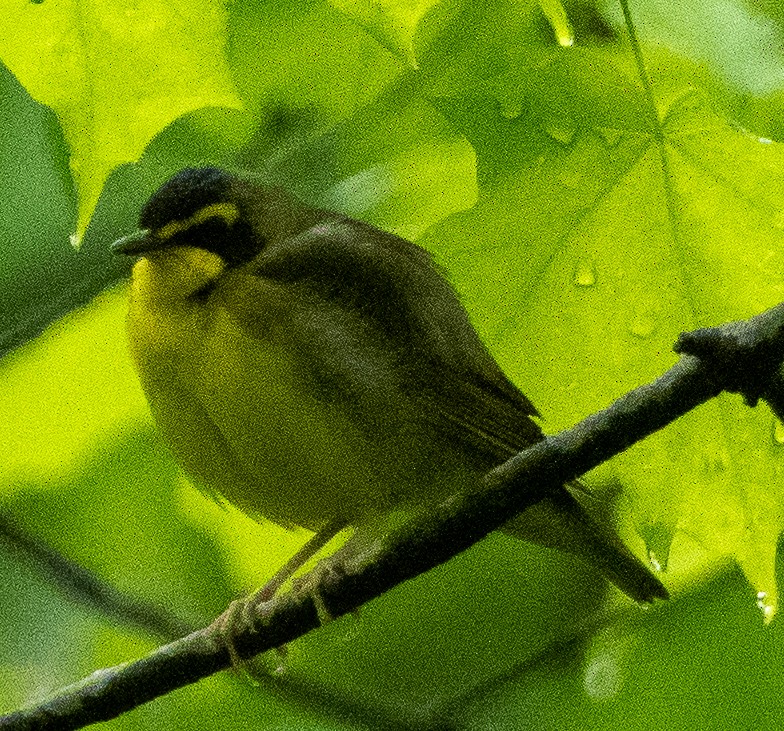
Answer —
319 372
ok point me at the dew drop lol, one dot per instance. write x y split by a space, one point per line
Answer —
511 110
560 133
778 219
610 136
717 463
765 140
655 564
281 655
602 678
778 432
642 326
584 274
765 606
565 39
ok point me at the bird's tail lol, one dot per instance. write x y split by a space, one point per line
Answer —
560 521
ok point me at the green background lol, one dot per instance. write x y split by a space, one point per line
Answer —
585 218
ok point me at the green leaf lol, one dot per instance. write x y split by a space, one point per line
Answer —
372 166
600 235
116 74
304 64
740 44
393 23
707 662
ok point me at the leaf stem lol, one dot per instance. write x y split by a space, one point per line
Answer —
673 208
642 71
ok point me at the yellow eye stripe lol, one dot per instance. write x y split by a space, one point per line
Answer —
227 211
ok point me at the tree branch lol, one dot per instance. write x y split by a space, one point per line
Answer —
743 357
82 585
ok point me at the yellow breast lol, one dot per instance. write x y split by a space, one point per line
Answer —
234 410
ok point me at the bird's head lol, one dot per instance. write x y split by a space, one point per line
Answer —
202 208
201 223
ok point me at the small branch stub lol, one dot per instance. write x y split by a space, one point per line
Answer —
742 357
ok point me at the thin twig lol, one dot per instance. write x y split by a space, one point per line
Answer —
77 582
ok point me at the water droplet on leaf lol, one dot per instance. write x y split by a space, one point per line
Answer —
657 537
778 432
560 133
717 463
642 326
765 606
511 109
584 274
602 678
281 654
566 40
655 565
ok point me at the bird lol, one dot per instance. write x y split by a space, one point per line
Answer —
318 372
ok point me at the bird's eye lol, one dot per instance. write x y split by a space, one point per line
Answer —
222 232
210 235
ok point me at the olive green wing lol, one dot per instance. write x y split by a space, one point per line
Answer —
455 383
563 520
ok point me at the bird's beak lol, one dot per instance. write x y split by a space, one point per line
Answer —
139 242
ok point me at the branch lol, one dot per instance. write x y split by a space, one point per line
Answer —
743 357
82 585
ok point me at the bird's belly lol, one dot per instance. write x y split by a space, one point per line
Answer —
238 419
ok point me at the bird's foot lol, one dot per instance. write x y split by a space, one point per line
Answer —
242 614
235 621
311 584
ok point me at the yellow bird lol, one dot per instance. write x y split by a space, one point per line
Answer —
319 372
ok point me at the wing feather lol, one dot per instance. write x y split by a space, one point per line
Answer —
452 381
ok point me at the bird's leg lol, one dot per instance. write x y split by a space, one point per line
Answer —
239 615
310 549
